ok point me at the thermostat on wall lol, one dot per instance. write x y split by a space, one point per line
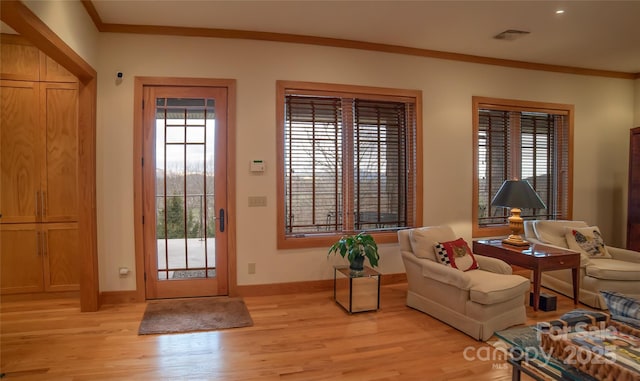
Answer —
257 166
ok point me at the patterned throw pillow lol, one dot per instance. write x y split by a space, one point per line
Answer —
622 307
456 254
588 241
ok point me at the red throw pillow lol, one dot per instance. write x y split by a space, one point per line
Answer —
460 255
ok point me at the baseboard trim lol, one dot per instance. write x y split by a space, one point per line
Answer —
40 296
119 297
307 286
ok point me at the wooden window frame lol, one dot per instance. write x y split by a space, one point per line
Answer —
519 106
284 88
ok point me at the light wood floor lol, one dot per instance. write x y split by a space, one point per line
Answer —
294 337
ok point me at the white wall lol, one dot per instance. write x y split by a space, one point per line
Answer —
604 112
70 21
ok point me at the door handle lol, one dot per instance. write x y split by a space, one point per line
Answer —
221 223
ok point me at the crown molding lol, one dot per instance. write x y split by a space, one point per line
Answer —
341 43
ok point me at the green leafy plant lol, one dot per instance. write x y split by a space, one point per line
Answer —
352 246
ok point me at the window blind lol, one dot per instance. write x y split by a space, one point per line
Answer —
346 164
528 145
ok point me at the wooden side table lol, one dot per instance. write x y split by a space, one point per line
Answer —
535 257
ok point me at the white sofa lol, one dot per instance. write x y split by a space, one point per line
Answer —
477 302
620 273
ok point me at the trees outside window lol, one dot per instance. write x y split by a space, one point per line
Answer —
521 140
348 161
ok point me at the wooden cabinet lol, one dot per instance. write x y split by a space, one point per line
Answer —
38 173
39 152
19 157
39 257
21 266
21 61
633 212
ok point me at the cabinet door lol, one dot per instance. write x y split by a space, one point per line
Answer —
20 140
51 71
19 59
21 268
61 257
60 168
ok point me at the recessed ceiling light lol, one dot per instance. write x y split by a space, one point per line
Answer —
560 11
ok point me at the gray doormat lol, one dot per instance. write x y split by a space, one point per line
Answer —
196 314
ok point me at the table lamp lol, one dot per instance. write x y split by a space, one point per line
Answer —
517 194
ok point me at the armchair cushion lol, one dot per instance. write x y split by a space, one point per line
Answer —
424 239
456 254
588 241
613 269
491 288
553 232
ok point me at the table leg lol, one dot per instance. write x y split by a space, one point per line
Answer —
576 284
537 275
515 374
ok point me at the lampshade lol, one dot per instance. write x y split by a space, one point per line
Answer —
517 194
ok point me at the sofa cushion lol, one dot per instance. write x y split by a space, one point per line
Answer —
553 232
491 288
622 306
456 254
612 269
423 240
587 241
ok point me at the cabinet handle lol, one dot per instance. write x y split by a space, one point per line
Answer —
37 243
37 203
43 196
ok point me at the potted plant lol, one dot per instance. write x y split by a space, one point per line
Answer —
356 248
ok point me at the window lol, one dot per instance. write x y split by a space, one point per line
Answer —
524 140
348 160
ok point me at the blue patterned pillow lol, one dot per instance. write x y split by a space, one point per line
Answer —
621 306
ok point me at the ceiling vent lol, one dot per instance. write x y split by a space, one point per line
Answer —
510 34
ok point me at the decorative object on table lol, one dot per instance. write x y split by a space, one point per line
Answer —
517 194
603 354
355 248
573 318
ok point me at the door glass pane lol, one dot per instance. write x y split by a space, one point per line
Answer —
185 214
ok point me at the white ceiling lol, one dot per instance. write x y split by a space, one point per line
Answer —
590 34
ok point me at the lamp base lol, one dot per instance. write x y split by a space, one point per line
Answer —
515 240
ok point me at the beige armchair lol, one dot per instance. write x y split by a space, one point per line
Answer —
620 273
477 302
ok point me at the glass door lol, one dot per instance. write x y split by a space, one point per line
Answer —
184 189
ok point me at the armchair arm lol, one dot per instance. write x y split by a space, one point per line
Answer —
624 254
446 274
493 265
439 272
